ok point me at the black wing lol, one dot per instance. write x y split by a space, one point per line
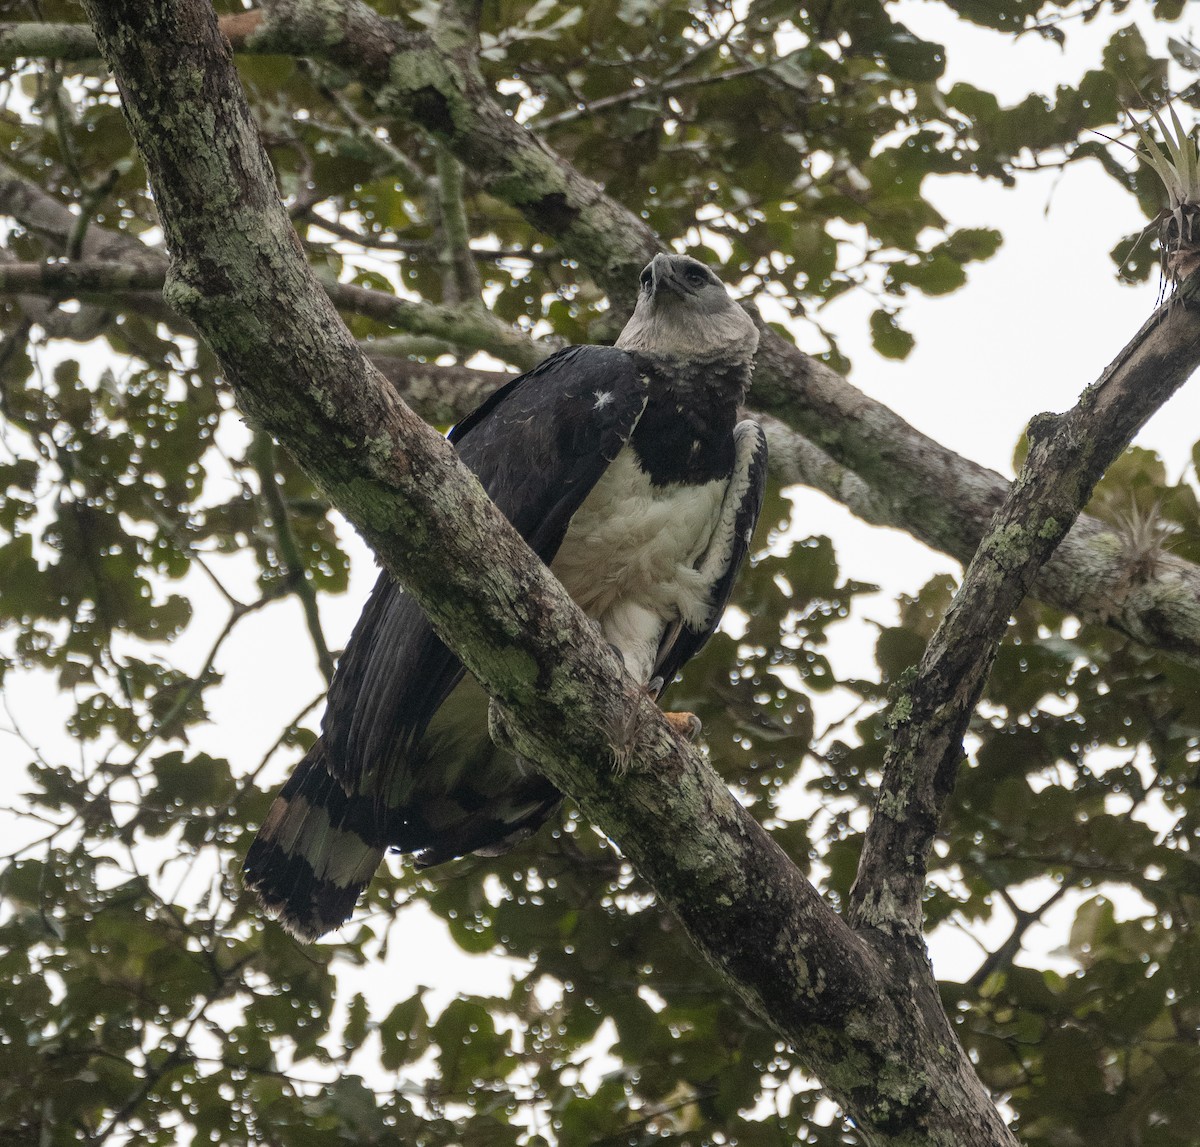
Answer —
726 551
538 446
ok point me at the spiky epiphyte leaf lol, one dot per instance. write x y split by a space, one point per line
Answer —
1176 162
1146 536
1179 165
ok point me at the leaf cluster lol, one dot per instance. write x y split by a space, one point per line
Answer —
796 146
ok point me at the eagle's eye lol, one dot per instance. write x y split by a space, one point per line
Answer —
646 279
695 276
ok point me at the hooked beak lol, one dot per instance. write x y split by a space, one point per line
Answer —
664 280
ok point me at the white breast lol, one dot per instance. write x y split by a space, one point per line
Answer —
630 553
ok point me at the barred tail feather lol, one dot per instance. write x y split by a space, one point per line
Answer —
315 852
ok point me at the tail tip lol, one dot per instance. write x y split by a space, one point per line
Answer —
291 894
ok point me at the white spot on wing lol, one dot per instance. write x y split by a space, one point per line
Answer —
603 398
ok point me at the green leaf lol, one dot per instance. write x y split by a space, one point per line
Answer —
888 337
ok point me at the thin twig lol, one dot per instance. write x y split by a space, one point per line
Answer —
659 91
1024 920
390 241
295 573
461 271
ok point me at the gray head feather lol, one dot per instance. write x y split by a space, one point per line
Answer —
683 311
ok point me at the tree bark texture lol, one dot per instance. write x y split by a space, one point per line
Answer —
853 448
1068 455
871 1028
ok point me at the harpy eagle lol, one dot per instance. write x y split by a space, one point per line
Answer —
627 472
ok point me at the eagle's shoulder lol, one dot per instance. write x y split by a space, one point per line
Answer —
541 442
565 385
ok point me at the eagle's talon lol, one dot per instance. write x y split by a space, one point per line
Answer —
654 687
685 725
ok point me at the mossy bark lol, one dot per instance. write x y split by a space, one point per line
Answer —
1067 457
901 477
868 1023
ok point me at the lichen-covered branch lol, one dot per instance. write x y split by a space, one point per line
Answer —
34 39
1068 455
467 327
239 274
902 478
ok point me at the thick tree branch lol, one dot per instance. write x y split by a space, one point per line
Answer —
911 481
238 272
468 327
1068 455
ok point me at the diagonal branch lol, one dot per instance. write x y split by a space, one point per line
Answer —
902 478
1068 455
1023 919
239 274
468 327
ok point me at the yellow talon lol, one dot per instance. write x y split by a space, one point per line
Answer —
686 725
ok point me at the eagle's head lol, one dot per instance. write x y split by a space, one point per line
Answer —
684 311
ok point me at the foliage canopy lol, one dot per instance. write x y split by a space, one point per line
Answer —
146 1000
